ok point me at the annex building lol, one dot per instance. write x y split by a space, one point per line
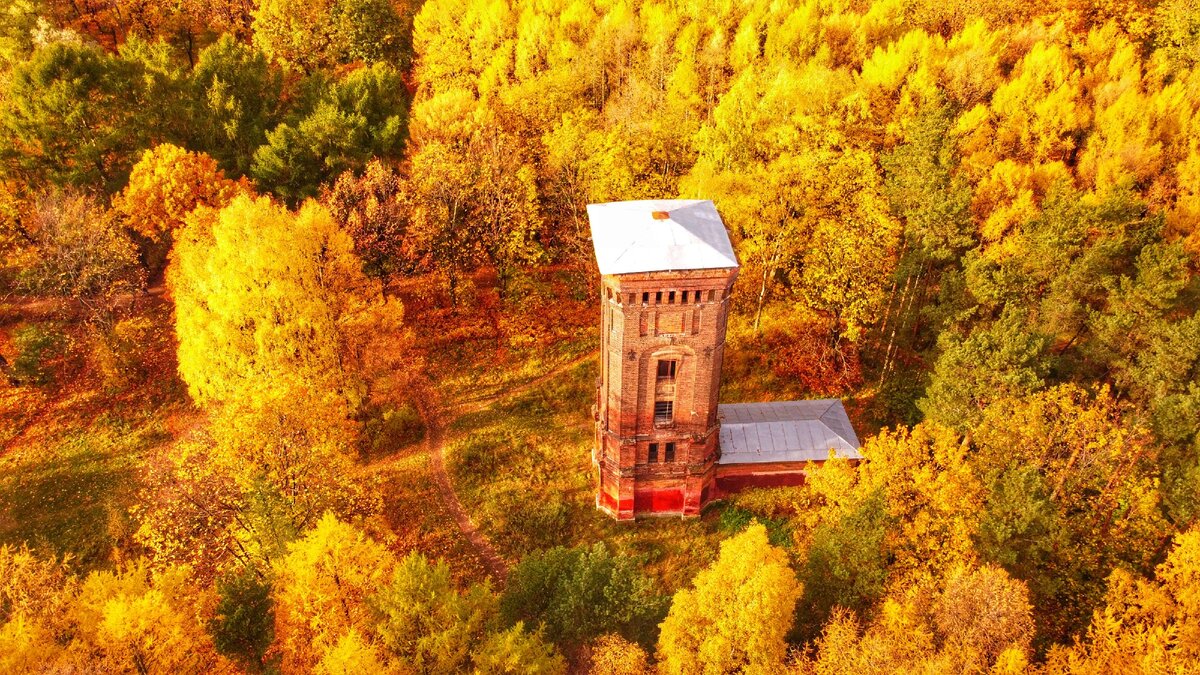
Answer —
664 446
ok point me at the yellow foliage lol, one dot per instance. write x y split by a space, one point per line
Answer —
351 655
269 302
736 615
1146 625
614 655
141 620
321 590
932 494
979 622
265 472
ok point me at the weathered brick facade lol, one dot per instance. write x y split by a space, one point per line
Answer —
667 267
662 341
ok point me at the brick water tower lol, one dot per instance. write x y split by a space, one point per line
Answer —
666 268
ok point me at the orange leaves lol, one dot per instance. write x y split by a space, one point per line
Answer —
167 184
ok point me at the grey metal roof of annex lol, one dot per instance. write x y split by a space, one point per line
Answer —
686 234
785 431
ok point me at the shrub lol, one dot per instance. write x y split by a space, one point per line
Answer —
535 524
243 625
389 429
779 531
117 352
581 593
37 348
806 355
478 455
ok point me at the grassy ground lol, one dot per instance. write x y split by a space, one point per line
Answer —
71 451
417 517
523 468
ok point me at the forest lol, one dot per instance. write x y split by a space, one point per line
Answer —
298 330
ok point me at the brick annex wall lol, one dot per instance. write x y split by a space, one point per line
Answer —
646 318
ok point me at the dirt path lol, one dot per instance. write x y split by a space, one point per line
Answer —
435 448
437 418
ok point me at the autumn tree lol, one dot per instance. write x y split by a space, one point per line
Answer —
270 301
979 622
140 619
34 601
344 603
1073 495
613 655
736 614
165 186
1144 623
474 198
79 250
262 476
330 33
131 619
371 208
322 588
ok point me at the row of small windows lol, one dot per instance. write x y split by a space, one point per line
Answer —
673 297
668 453
667 297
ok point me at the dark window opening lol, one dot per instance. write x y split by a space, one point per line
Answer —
670 452
666 370
671 298
658 298
685 297
652 456
645 298
698 296
664 412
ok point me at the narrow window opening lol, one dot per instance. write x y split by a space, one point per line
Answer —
685 297
670 453
652 455
698 296
645 298
666 369
664 413
671 298
658 298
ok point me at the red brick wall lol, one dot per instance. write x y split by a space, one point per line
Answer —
635 335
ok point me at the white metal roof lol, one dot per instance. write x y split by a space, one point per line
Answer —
786 431
628 238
